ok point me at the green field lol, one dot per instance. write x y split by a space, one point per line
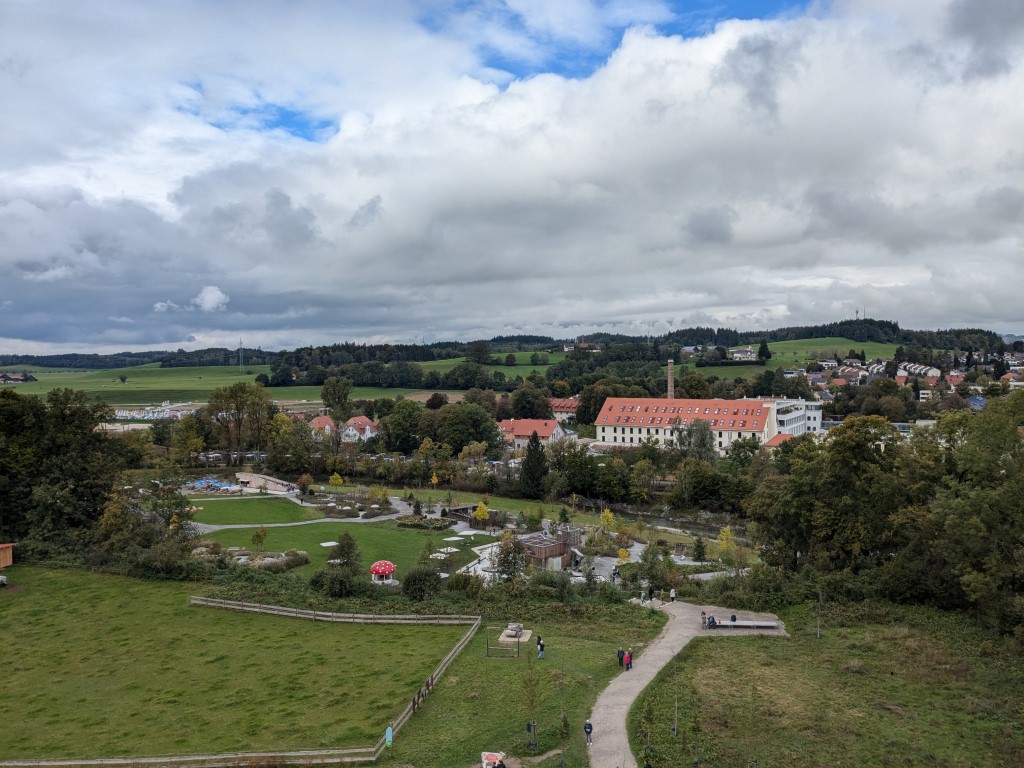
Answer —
146 384
805 350
897 686
377 541
102 666
521 368
252 510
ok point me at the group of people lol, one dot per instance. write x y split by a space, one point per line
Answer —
625 658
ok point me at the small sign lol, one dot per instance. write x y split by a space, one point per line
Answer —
387 737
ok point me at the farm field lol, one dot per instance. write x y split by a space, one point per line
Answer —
81 650
521 368
145 384
377 541
898 685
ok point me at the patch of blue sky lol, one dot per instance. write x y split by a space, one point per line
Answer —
274 117
550 53
694 18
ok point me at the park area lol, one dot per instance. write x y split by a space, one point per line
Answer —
100 666
378 540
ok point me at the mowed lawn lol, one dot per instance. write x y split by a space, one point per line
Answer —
904 686
250 510
99 666
376 541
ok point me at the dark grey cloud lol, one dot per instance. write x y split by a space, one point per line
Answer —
759 64
712 225
994 30
367 213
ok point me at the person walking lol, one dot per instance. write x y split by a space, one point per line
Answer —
650 593
588 728
672 594
628 659
540 647
621 655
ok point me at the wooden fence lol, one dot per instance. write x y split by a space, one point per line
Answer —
296 757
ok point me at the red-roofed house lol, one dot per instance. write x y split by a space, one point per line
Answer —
563 408
324 425
778 440
359 428
517 432
632 420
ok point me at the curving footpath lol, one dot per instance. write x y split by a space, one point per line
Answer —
611 742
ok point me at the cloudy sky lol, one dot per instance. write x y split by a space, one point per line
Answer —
186 172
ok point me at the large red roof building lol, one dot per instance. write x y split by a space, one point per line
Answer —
632 420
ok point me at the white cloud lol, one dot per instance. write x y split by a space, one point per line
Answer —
210 299
768 172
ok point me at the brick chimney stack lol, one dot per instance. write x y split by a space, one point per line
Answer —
671 394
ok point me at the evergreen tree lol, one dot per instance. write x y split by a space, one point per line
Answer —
763 353
535 469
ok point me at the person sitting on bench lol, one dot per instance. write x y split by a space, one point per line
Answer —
711 622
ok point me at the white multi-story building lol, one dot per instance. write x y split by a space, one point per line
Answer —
797 417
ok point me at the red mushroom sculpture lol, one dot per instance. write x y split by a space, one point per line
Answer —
382 570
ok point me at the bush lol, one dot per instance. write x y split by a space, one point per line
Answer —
423 523
466 584
421 583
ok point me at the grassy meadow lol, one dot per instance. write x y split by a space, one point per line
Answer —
896 686
797 354
83 650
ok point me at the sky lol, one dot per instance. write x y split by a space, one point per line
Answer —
186 173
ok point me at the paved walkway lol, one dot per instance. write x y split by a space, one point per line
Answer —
611 743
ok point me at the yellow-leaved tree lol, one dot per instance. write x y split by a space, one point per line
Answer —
481 514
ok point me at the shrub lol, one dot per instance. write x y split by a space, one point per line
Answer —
421 583
466 584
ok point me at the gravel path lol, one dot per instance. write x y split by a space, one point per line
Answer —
611 743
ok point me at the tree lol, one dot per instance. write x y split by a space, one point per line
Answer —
763 353
700 551
613 479
399 429
460 424
335 393
187 441
304 483
528 402
510 360
641 477
56 469
123 378
510 559
241 413
481 514
258 538
425 553
479 352
534 469
336 480
436 400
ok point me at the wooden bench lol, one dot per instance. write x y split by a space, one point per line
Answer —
756 624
